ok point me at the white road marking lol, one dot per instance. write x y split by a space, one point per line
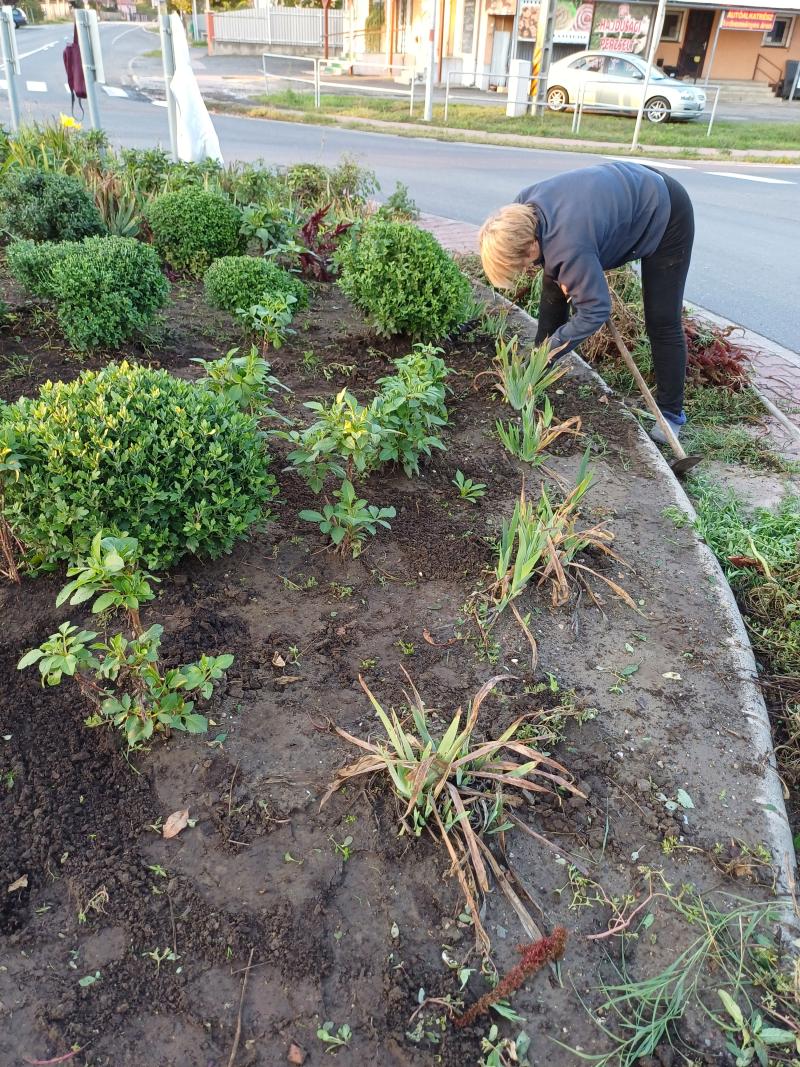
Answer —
651 163
159 103
749 177
36 87
43 48
3 86
113 90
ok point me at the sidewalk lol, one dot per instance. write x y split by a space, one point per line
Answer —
776 370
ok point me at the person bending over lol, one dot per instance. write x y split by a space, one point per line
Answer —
581 223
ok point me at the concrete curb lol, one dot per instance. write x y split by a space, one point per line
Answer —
768 790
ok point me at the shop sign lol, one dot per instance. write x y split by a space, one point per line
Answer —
573 22
622 27
762 21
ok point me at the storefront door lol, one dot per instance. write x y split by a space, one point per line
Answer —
695 43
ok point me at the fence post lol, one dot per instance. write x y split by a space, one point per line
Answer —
8 49
168 64
89 64
519 80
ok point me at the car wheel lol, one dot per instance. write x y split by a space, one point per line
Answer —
657 109
557 98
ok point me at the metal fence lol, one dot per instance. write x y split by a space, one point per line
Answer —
581 104
480 82
316 74
279 25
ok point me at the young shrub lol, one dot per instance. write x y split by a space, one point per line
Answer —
121 676
106 289
128 448
47 206
349 520
191 228
31 264
268 323
244 380
411 409
235 282
405 281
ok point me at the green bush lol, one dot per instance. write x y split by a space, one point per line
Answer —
312 185
106 289
191 228
405 281
235 282
47 206
132 450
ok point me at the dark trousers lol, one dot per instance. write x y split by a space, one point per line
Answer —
663 282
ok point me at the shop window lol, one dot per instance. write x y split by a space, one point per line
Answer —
781 33
673 25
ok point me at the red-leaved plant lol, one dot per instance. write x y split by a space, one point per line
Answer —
320 243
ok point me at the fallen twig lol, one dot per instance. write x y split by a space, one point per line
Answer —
238 1034
58 1059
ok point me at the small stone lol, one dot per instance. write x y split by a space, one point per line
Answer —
296 1054
644 785
179 579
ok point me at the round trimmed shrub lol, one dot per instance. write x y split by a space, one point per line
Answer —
106 289
132 450
235 282
47 206
405 281
191 228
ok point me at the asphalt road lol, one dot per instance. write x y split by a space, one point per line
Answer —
746 265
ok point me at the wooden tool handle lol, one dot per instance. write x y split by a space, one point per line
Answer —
655 411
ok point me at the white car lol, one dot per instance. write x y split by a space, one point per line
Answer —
608 79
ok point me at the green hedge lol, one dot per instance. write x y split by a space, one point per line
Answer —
133 450
235 282
191 228
106 289
47 206
405 281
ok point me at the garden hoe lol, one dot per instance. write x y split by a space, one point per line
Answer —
682 463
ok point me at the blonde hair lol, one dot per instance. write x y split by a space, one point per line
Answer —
508 243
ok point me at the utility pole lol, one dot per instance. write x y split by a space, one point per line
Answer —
8 50
654 42
427 114
168 63
88 40
542 52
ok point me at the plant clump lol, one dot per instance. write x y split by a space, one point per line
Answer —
106 289
191 228
405 281
127 448
234 283
40 205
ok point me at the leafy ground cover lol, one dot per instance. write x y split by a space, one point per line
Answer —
539 715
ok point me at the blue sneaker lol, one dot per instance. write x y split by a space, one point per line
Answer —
676 422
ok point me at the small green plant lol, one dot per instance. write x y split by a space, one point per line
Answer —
106 289
345 441
244 380
522 379
159 956
406 647
343 848
46 205
405 281
191 228
535 432
348 522
130 448
411 408
273 226
334 1039
503 1051
467 489
750 1039
120 675
234 282
447 783
11 464
399 206
270 320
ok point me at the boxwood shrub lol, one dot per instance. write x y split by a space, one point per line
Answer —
405 281
132 450
191 228
47 206
106 289
235 282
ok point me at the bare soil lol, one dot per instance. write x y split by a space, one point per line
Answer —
355 940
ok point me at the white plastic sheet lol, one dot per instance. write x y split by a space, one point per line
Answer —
197 138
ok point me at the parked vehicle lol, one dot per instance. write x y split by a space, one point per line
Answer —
19 17
608 79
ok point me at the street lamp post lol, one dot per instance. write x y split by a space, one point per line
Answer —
428 112
657 28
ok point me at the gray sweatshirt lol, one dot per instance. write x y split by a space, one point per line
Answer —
591 220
